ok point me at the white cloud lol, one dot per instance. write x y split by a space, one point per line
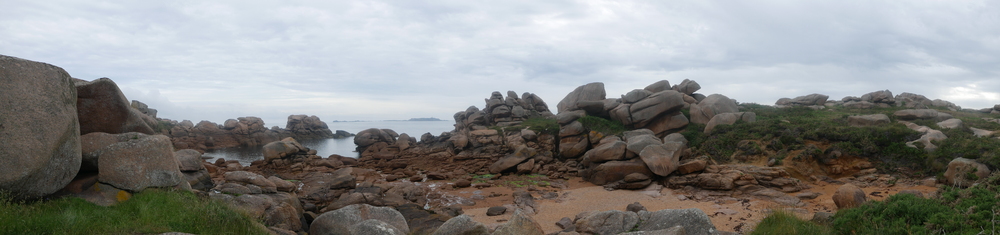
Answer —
347 60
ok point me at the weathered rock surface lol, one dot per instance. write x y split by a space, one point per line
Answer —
714 104
963 172
687 87
868 120
607 222
589 92
342 220
462 224
849 196
39 131
950 123
729 119
694 221
189 159
914 114
139 162
519 224
308 127
279 149
102 107
663 159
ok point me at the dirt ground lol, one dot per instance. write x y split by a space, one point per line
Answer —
575 196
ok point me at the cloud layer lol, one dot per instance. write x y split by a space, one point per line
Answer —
375 60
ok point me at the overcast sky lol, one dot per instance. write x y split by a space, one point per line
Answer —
378 60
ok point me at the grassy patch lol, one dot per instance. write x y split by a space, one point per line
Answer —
148 212
782 222
538 124
604 126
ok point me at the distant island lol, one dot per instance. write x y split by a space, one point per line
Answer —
425 119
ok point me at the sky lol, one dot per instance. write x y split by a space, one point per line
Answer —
390 60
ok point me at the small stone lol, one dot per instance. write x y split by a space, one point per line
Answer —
496 210
463 183
635 207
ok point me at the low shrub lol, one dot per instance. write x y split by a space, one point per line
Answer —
782 223
958 211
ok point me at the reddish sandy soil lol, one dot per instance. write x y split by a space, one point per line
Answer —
728 214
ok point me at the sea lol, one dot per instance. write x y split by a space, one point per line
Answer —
344 147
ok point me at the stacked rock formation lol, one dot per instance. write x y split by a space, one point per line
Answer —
244 131
884 99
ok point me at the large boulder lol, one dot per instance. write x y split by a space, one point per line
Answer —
102 107
963 172
519 224
39 131
923 114
849 196
712 105
658 86
281 149
371 136
729 119
663 159
688 87
613 171
694 221
608 151
139 162
462 224
590 92
811 99
342 220
189 159
607 222
573 146
658 104
308 127
520 155
868 120
950 123
883 96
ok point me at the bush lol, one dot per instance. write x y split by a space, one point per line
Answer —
148 212
782 222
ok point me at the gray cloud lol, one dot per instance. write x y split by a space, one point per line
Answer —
347 60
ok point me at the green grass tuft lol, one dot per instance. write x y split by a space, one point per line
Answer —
604 126
148 212
782 222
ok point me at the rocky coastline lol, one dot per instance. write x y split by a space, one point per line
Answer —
504 169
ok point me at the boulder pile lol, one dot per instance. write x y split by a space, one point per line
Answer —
243 131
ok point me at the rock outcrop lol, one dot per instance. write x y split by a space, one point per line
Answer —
103 107
714 104
244 131
139 161
589 92
39 130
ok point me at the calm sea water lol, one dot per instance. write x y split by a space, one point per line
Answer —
344 147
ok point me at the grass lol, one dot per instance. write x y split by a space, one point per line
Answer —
601 125
781 222
148 212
